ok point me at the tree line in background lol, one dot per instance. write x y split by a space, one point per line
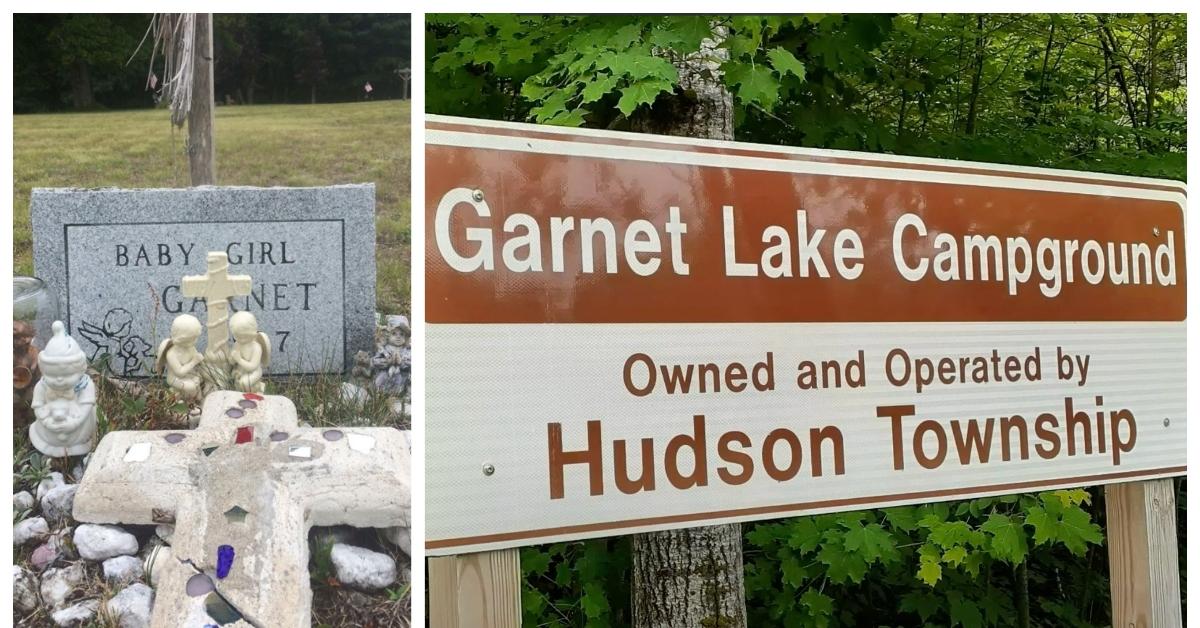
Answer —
88 61
1090 92
1102 93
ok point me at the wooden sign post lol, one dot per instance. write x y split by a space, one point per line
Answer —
481 590
1143 554
685 332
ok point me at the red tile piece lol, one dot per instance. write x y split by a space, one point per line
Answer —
252 396
245 434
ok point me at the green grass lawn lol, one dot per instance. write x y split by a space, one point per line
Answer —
264 145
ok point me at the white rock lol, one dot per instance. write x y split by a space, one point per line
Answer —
362 568
98 542
131 607
354 394
25 597
58 501
23 501
76 615
122 569
30 529
58 584
400 537
165 531
55 479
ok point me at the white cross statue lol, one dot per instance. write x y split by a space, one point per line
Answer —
216 286
250 479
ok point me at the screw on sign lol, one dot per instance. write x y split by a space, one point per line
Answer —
242 492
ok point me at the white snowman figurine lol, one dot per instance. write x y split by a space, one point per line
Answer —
64 400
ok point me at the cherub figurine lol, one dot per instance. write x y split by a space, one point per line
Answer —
64 400
180 358
251 352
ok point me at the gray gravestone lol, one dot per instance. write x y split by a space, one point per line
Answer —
116 259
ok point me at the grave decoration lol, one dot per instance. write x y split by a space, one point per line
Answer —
188 372
64 399
242 491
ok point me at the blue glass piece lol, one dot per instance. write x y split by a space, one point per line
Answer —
224 560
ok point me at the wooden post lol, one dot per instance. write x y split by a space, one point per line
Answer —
475 590
202 151
1143 554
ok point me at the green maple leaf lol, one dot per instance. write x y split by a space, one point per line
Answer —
805 536
625 36
964 612
947 534
682 33
1008 538
1045 525
534 561
842 566
902 517
594 602
817 603
596 89
1073 497
754 83
567 118
785 62
1076 530
641 64
872 543
640 93
794 573
955 556
922 603
930 572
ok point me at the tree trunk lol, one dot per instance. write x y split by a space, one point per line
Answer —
312 94
693 577
1041 101
973 102
81 86
202 151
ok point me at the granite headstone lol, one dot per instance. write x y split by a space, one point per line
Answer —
116 258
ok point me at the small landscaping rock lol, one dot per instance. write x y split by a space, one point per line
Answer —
98 542
131 607
29 530
25 597
76 615
58 501
362 568
45 555
59 584
54 480
122 569
353 394
164 531
23 501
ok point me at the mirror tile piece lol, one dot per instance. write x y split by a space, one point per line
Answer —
139 452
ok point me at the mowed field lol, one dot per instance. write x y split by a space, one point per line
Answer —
263 145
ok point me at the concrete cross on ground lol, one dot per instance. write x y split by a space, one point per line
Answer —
216 286
248 478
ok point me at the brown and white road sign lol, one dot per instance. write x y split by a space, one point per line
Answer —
629 332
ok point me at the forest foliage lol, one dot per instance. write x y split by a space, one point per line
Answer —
87 61
1103 93
1089 92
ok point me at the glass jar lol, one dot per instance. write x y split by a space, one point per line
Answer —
35 308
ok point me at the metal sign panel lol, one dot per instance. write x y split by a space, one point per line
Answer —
630 333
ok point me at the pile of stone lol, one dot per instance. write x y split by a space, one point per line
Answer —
75 570
69 560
